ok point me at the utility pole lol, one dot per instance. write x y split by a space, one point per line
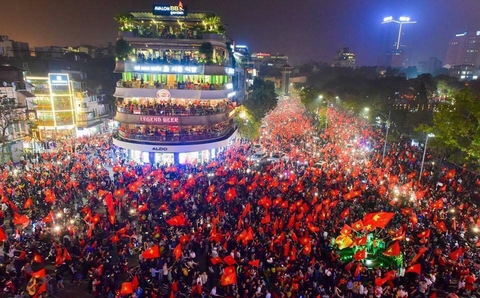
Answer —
386 135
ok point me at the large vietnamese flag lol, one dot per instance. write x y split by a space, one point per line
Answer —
417 268
393 250
377 220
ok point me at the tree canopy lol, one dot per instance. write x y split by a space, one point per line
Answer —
456 127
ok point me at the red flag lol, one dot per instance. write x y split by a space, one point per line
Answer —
377 219
178 220
345 213
230 194
438 204
27 203
413 219
119 192
254 263
417 268
40 273
3 236
37 258
451 174
229 276
42 289
229 260
21 220
66 255
151 253
454 255
266 219
380 281
135 282
361 241
360 255
177 252
126 289
424 234
420 253
358 225
393 250
216 260
346 230
246 210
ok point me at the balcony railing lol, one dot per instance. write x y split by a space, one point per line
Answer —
169 111
177 137
176 86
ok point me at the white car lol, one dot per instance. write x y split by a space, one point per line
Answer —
276 156
258 156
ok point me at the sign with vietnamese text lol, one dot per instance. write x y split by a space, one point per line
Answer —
166 69
170 10
159 120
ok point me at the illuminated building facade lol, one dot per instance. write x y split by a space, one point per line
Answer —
175 101
344 58
393 45
64 107
464 49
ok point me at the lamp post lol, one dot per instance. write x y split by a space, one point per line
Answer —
430 135
386 136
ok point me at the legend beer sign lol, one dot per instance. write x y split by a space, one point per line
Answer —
159 120
170 10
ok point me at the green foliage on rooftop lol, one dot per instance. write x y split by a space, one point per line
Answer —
125 20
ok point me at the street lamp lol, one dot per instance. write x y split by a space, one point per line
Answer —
386 136
430 135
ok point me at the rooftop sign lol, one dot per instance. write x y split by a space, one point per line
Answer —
170 10
58 79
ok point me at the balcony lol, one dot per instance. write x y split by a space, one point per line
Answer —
89 123
174 93
169 120
161 66
174 138
183 37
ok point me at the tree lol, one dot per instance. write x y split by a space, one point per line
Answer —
206 49
213 24
9 115
262 99
456 127
248 126
122 48
125 21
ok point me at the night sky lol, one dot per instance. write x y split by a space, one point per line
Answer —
301 29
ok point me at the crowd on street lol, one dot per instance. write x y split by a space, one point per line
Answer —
333 219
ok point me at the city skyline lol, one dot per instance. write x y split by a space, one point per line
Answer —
311 31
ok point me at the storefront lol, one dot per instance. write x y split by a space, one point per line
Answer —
174 154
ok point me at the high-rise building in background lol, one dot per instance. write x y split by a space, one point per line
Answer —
464 49
344 58
175 101
394 50
431 66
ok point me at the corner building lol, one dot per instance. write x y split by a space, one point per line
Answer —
175 101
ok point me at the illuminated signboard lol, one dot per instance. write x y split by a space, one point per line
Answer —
170 10
166 69
58 79
159 119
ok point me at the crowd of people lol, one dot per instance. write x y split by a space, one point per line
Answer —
163 108
335 219
176 133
